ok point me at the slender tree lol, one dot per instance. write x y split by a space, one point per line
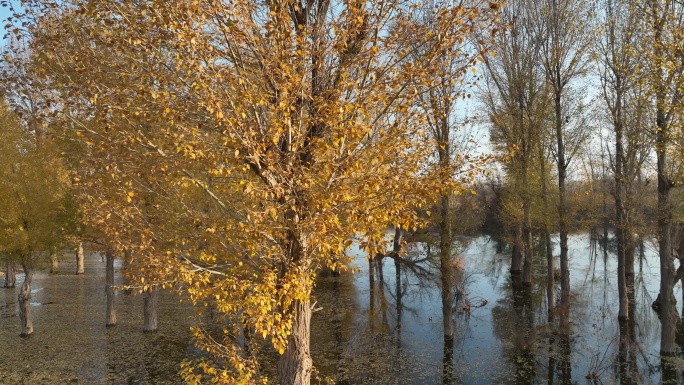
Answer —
662 47
561 29
35 184
514 95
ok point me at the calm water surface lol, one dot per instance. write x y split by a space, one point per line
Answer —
386 333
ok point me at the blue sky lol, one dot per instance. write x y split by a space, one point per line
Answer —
4 14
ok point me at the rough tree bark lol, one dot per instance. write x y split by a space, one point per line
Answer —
10 276
80 267
24 298
150 309
295 364
109 290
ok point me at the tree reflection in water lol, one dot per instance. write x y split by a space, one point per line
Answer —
392 334
388 331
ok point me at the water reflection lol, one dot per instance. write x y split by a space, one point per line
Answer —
387 330
379 326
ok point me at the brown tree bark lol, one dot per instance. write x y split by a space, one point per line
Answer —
109 290
150 309
295 364
80 263
10 276
24 298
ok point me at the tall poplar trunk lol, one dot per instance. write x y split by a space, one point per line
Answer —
295 364
109 289
620 214
150 309
446 269
562 204
550 283
10 275
528 250
666 300
80 267
527 223
24 298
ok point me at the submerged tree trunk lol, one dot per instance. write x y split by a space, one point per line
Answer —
295 364
10 275
24 298
446 269
527 248
666 301
54 262
620 213
516 262
109 290
448 362
80 267
150 309
562 204
550 283
528 255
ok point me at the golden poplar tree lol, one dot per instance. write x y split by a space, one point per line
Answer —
237 147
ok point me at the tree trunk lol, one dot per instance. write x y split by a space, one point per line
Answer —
24 298
562 204
295 364
10 276
528 254
150 309
54 262
550 284
80 267
446 269
527 228
630 250
516 262
667 311
109 290
448 362
620 214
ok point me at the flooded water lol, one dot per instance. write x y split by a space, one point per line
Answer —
389 332
392 334
71 343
